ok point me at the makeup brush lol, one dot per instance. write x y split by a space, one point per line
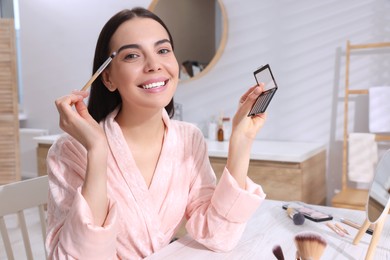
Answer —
297 217
100 70
310 245
278 252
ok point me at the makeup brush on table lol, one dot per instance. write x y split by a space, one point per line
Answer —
278 252
297 217
310 245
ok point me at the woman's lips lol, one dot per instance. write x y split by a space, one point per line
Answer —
155 86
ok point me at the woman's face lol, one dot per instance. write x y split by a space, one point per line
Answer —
145 70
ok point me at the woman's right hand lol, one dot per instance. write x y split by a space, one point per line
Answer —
81 125
78 122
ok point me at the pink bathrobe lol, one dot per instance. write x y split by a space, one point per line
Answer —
142 220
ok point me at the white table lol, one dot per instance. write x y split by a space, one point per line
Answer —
270 226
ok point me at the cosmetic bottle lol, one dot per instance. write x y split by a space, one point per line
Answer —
220 133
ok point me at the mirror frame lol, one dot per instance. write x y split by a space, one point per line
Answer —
222 43
379 167
379 223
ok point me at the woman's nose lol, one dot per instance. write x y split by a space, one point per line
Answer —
152 64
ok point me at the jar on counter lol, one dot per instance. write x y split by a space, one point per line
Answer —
220 132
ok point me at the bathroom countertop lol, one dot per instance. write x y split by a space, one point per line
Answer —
272 150
46 139
262 150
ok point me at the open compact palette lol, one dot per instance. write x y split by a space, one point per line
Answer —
264 75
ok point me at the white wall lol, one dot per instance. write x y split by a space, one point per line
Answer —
298 38
57 43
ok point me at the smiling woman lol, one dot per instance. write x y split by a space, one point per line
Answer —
125 175
199 28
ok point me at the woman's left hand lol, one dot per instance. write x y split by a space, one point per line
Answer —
244 130
245 126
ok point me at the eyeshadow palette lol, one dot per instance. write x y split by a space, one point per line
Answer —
309 213
264 75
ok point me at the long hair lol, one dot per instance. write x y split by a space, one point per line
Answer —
102 101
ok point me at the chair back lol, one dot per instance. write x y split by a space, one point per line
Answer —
16 200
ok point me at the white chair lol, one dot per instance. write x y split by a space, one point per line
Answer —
16 198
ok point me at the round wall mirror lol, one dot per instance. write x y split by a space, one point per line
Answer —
379 194
199 32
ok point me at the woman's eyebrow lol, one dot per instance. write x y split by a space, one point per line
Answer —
129 46
163 41
137 46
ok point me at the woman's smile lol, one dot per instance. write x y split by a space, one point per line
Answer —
154 83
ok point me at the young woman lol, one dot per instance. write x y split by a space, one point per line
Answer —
125 175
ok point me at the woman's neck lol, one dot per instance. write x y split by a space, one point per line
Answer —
141 126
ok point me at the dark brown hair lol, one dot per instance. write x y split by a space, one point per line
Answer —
102 101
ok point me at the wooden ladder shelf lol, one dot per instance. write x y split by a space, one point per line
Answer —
350 197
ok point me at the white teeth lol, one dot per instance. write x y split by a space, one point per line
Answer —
154 85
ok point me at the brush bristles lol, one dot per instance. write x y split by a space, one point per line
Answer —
297 217
113 54
278 252
310 245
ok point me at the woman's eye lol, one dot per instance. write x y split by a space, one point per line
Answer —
131 56
164 51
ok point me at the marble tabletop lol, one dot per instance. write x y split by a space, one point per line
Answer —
271 226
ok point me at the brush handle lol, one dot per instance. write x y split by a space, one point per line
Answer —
341 228
89 83
355 225
337 231
97 73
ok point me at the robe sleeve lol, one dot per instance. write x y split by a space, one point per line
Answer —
71 233
217 214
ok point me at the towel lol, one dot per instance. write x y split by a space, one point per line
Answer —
379 109
362 157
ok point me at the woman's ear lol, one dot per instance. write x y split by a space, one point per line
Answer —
107 82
